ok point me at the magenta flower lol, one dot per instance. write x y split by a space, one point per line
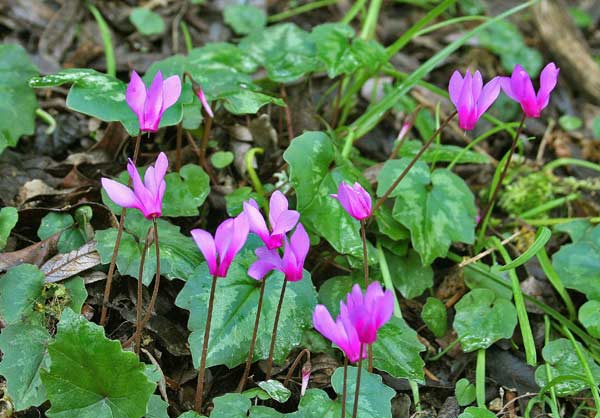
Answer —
146 196
520 88
229 239
341 332
205 104
470 99
150 104
370 312
354 199
282 220
292 263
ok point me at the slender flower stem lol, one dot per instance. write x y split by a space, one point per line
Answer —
205 138
113 261
138 302
480 378
357 391
242 383
274 337
345 387
178 147
363 233
413 162
488 209
148 313
414 388
288 376
338 97
202 368
288 113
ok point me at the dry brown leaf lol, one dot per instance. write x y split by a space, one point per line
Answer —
63 266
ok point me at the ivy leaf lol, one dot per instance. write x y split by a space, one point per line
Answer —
285 50
101 96
561 358
81 381
333 290
435 316
17 100
235 311
437 209
230 405
578 264
465 392
309 157
374 400
442 153
397 349
71 239
589 318
19 289
157 408
409 276
8 219
146 21
482 318
275 390
244 18
25 353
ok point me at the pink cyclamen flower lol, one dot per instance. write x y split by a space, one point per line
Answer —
370 312
520 88
146 196
150 104
471 97
341 332
292 263
354 199
229 239
205 104
282 220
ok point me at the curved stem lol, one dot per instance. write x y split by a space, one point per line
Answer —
138 302
113 261
288 376
204 143
345 387
202 368
274 337
249 160
242 383
486 213
109 52
413 162
414 388
357 391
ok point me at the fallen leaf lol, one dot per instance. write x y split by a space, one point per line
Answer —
34 254
63 266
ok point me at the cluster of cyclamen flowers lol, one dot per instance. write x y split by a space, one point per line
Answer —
472 98
361 315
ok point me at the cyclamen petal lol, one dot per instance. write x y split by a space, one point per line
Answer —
120 194
204 103
281 219
206 244
153 108
135 96
370 312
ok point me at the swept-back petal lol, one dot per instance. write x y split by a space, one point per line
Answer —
144 196
323 322
153 109
488 96
205 103
385 308
477 84
548 79
238 230
135 96
120 194
277 205
285 222
300 244
506 83
267 261
455 87
171 90
206 244
256 221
